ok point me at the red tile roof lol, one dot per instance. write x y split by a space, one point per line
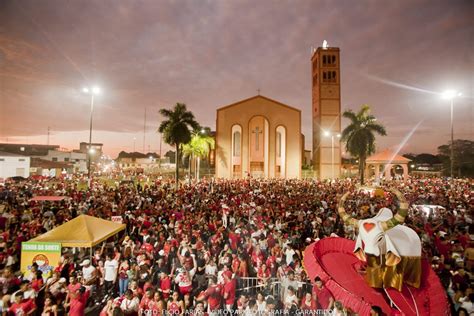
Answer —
386 156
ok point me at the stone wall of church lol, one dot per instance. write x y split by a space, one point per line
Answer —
260 152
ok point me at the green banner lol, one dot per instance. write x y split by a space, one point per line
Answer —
40 247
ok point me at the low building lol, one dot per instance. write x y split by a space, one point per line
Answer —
52 153
14 165
76 158
27 149
139 162
46 168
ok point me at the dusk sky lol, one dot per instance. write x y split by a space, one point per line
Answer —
395 56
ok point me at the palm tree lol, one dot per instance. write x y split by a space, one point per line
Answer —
359 135
176 129
199 146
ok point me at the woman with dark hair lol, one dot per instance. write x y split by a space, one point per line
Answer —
308 304
50 308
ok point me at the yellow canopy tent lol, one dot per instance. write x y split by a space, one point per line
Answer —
83 231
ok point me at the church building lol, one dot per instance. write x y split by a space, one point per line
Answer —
258 137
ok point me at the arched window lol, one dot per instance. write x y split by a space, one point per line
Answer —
278 147
236 143
280 152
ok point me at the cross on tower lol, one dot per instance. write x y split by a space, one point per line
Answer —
256 132
258 91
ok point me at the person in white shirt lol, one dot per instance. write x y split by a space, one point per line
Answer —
225 210
130 303
110 271
286 283
89 275
261 303
289 252
290 298
467 304
211 267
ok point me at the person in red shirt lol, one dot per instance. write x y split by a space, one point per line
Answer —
234 239
72 288
175 306
146 302
78 302
37 281
213 296
308 304
165 285
228 292
322 295
22 306
156 306
263 274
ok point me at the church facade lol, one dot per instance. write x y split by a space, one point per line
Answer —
258 137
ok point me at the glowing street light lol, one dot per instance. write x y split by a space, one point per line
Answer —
327 134
92 91
451 95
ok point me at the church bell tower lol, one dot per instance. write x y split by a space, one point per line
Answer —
326 78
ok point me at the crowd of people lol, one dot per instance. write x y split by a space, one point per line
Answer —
215 246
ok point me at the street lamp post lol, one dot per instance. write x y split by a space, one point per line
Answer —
327 134
450 95
92 91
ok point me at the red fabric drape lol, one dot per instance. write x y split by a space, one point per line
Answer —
333 261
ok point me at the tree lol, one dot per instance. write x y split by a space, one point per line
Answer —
176 129
360 135
199 146
463 157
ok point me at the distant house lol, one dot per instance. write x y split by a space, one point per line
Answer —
46 168
27 149
137 161
76 158
76 161
14 165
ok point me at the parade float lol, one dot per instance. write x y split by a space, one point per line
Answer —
383 267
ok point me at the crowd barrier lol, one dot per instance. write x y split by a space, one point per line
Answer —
273 287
